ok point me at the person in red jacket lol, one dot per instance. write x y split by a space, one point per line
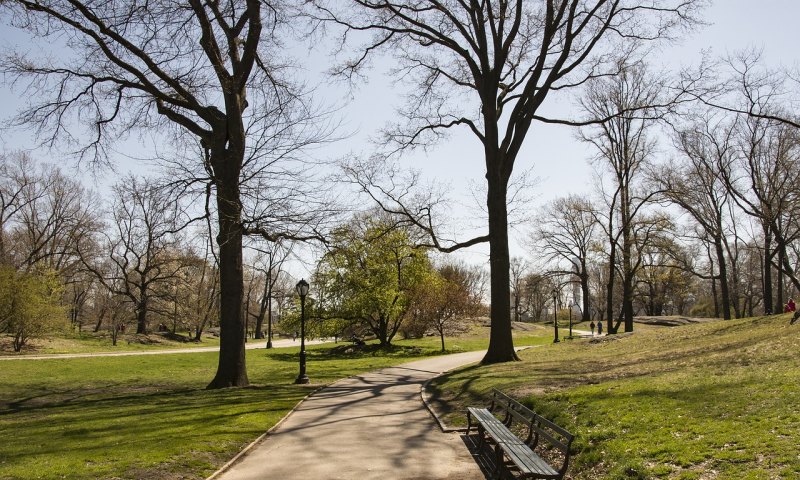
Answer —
790 306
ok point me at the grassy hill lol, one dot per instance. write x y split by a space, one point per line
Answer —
717 400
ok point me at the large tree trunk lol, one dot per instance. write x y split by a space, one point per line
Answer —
501 344
723 279
612 259
383 332
231 370
767 272
779 279
627 267
262 308
141 315
586 312
627 302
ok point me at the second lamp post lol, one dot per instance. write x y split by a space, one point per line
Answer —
302 290
555 314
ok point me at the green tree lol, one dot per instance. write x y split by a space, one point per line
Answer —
29 304
369 276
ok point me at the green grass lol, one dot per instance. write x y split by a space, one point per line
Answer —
716 400
150 416
91 342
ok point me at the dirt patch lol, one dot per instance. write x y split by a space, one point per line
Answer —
672 321
610 338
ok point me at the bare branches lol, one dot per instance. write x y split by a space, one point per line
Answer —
404 197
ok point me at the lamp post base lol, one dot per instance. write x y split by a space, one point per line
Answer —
269 343
302 380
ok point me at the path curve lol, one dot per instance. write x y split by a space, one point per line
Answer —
370 426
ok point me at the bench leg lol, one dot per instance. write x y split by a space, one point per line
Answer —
469 422
498 459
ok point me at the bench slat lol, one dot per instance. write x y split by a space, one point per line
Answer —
552 426
529 462
517 450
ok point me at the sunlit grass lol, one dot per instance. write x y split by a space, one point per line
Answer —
91 342
150 416
717 400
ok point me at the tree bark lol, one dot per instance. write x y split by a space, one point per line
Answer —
767 275
586 313
501 344
612 259
231 370
141 316
724 286
262 307
779 278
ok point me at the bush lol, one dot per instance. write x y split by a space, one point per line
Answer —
29 305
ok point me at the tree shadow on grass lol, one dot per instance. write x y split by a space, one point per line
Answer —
349 352
448 402
100 435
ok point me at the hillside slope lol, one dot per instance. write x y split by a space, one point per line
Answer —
704 401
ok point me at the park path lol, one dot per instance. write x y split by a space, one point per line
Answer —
370 426
251 345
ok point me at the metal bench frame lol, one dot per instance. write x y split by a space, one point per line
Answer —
494 423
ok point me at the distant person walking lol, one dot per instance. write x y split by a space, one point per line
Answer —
599 328
789 307
591 325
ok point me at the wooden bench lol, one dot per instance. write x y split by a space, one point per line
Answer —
532 443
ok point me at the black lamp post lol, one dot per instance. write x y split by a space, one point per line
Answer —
555 315
269 313
302 290
269 329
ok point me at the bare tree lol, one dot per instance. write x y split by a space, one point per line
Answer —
44 217
203 283
624 147
57 217
565 234
489 67
761 181
266 269
518 271
210 73
17 179
696 185
142 246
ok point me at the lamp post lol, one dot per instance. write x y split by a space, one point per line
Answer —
555 315
302 290
269 310
269 326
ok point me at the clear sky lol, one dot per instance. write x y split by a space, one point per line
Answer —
552 153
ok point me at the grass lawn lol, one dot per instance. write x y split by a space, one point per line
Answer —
717 400
150 417
91 342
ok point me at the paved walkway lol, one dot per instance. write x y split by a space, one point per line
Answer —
372 426
251 345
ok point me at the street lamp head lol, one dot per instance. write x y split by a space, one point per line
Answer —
302 288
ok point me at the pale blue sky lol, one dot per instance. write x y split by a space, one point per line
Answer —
552 152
